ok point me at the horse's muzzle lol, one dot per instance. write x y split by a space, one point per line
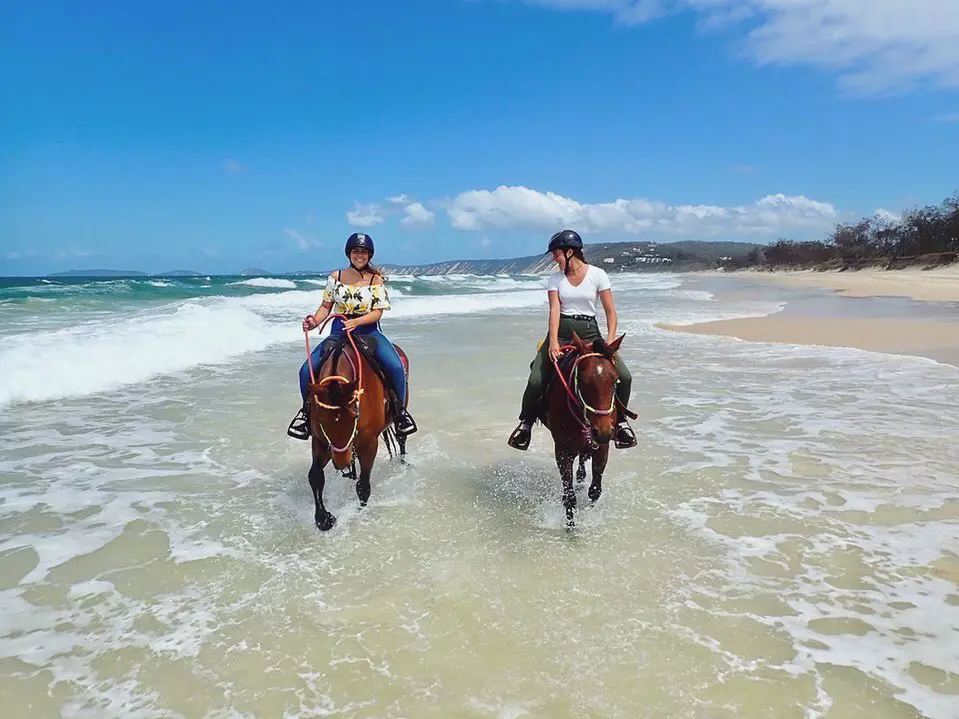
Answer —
599 438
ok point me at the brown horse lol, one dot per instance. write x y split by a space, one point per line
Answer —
581 413
348 414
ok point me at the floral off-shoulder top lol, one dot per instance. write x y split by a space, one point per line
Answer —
358 299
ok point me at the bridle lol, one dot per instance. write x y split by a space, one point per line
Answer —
357 393
577 405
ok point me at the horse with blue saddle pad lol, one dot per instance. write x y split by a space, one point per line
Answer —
360 304
354 382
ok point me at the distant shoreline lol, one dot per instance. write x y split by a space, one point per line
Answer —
924 284
538 265
919 333
615 257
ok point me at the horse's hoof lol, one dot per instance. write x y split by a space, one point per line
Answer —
325 523
594 493
362 504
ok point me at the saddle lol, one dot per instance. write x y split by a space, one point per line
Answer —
550 378
366 344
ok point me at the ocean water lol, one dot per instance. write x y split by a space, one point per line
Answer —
784 541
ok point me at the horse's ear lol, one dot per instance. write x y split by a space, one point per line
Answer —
579 344
614 345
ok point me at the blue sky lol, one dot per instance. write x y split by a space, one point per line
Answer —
221 135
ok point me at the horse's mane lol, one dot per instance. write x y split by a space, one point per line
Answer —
600 347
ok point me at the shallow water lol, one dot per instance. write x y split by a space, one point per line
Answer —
782 542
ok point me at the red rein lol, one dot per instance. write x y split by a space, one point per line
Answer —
349 336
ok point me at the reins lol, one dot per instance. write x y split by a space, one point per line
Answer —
357 393
574 399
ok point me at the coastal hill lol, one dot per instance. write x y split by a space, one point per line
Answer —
98 273
122 273
612 256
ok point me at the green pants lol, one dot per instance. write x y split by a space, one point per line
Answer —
588 330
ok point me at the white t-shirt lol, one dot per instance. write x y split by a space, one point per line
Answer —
579 300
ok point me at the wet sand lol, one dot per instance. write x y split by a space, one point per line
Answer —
863 316
936 285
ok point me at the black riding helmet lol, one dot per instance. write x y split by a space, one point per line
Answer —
359 240
565 240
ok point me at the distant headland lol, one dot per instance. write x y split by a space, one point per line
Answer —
686 256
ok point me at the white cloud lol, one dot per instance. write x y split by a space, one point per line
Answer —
875 45
304 243
364 215
522 208
417 214
948 117
887 215
414 213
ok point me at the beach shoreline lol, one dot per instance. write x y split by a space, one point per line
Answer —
902 312
939 284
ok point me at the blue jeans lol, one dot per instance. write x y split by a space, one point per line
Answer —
385 352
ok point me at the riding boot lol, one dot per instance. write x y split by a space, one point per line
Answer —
623 436
521 436
404 423
300 425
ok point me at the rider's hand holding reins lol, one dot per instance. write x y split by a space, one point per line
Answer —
309 323
554 351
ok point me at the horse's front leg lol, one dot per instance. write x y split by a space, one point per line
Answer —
366 451
564 460
324 520
581 470
600 458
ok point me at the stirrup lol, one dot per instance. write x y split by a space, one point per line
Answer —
299 426
623 437
520 437
404 424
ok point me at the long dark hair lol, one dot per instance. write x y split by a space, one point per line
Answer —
578 254
370 267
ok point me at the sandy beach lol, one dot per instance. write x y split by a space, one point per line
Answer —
938 285
867 314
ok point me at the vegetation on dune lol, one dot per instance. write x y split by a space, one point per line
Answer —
925 236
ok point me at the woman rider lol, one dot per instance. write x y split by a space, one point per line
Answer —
358 293
572 292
